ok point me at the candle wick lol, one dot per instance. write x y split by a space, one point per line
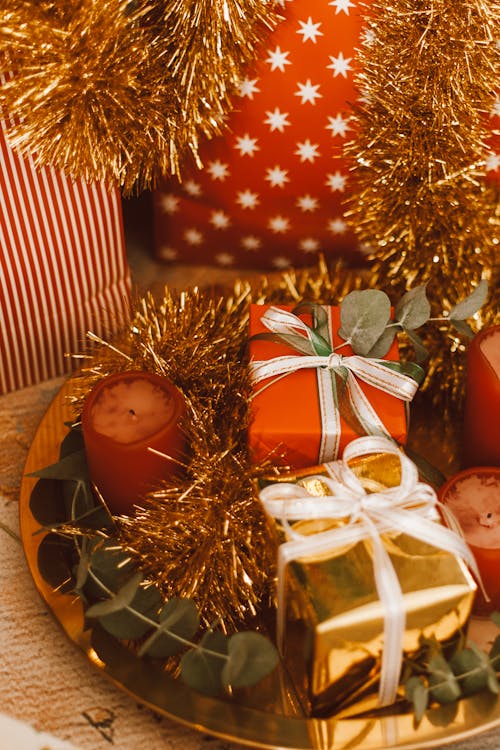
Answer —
131 411
487 519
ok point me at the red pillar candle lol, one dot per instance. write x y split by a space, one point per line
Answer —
481 437
473 495
123 416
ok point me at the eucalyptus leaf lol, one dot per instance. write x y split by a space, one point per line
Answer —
137 620
202 670
473 670
56 555
72 466
471 304
110 565
251 657
443 684
421 353
383 343
495 618
178 616
494 653
47 502
416 692
442 716
72 442
118 601
363 316
413 309
462 327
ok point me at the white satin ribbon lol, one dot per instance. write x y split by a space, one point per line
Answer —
408 508
370 370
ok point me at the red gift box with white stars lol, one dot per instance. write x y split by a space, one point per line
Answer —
272 189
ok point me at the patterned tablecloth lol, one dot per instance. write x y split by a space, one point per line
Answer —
44 680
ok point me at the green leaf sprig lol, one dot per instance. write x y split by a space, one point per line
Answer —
369 328
436 680
115 595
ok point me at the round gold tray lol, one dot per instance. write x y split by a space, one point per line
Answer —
268 717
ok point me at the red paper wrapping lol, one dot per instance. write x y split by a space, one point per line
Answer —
286 420
63 269
272 189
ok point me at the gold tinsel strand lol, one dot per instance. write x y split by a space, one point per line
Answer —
205 535
422 201
123 90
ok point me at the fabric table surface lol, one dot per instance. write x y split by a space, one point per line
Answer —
45 681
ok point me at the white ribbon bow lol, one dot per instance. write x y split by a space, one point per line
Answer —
370 370
408 508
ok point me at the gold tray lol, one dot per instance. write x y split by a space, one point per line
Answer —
267 717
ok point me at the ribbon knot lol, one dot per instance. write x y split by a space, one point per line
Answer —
334 361
409 508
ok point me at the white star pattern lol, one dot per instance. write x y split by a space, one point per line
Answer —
492 162
277 177
219 220
168 253
247 199
193 236
251 242
248 88
271 189
307 203
337 226
279 224
193 188
338 125
307 151
169 203
309 245
339 65
276 120
247 146
224 259
278 59
336 182
309 30
217 170
342 6
308 92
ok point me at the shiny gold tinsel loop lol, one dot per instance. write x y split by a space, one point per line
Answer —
123 90
205 535
422 201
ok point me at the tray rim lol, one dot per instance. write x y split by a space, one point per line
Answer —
222 718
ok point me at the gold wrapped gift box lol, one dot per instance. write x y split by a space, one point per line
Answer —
333 636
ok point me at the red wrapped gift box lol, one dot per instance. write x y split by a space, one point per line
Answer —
63 269
272 189
288 424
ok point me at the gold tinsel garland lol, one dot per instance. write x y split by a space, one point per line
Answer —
421 199
205 536
123 90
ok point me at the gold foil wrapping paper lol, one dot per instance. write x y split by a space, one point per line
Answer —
334 625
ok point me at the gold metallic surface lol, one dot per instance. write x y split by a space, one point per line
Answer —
264 718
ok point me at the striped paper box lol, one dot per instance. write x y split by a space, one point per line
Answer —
63 269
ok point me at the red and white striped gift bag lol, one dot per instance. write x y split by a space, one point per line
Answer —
272 191
63 268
